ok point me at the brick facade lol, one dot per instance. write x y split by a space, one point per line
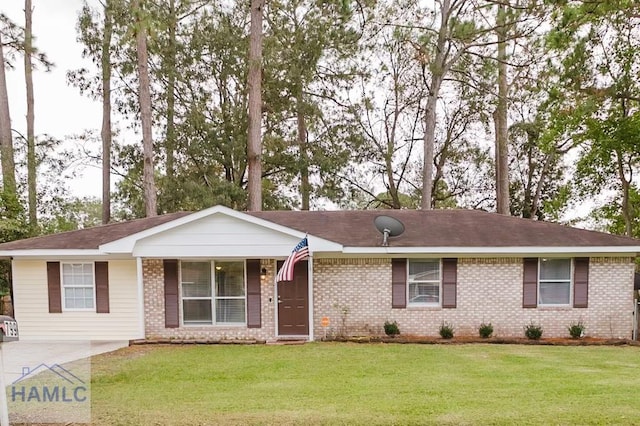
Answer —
153 277
355 295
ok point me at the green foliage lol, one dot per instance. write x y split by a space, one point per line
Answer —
533 331
485 330
13 222
576 329
391 328
446 330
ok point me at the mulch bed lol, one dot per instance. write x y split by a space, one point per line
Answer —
552 341
404 339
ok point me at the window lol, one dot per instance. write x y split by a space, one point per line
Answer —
555 282
424 282
213 290
78 286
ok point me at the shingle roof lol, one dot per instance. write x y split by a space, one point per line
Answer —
91 238
434 228
441 228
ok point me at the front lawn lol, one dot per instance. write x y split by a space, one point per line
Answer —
334 383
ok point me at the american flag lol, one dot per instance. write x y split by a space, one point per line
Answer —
300 252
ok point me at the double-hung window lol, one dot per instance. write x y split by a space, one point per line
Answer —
423 282
78 286
213 292
555 282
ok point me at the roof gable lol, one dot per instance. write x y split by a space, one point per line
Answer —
433 231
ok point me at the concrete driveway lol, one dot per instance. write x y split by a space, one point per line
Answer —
22 356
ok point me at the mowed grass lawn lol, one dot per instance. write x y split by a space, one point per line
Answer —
338 383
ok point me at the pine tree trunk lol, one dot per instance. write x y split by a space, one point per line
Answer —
144 96
106 114
254 139
31 142
438 68
429 143
6 140
170 143
501 120
305 187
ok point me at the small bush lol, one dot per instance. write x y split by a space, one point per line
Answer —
533 331
576 329
485 330
391 328
446 330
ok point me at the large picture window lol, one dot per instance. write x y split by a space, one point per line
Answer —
555 282
424 282
78 286
213 291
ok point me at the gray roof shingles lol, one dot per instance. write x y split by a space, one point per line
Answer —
91 238
434 228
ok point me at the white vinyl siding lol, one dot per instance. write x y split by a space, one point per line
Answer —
32 306
423 281
213 293
554 283
78 286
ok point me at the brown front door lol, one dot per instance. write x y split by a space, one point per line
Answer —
293 302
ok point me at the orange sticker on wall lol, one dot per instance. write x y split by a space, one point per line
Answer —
324 322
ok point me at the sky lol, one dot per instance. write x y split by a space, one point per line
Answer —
60 110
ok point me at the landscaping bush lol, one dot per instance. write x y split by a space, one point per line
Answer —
391 328
533 331
576 330
485 330
446 330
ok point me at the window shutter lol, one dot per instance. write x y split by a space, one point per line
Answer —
171 304
53 285
449 282
254 308
102 287
581 282
398 283
530 283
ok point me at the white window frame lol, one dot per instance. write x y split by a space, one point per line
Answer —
569 281
439 282
213 298
183 298
64 287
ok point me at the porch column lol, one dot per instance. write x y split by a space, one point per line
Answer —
140 298
310 278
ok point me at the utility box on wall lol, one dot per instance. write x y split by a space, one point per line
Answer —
8 329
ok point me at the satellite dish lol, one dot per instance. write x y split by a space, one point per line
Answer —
389 227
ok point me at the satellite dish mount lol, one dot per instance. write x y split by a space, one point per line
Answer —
389 227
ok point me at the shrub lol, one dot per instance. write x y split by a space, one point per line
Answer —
446 330
533 331
485 330
576 330
391 328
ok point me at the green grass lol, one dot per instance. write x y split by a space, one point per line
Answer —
325 383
